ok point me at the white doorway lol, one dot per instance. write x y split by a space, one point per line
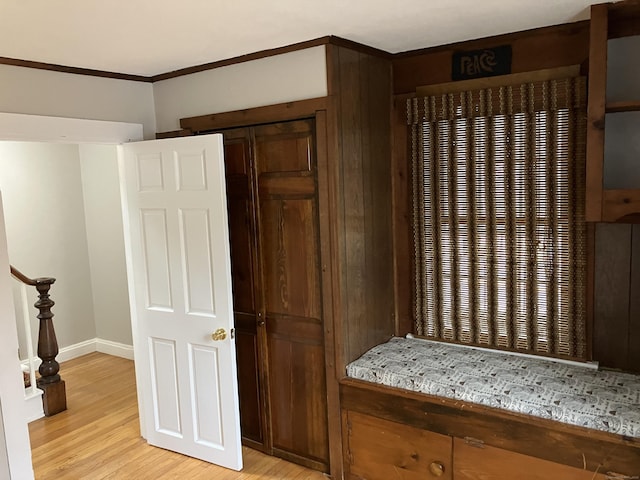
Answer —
28 128
87 133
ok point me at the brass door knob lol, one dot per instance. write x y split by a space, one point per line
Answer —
436 469
219 334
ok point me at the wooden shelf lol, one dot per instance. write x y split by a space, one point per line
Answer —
626 106
621 205
608 20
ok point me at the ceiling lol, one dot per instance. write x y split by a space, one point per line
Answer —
150 37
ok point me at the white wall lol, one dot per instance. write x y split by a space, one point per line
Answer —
297 75
4 460
42 92
105 239
45 222
15 462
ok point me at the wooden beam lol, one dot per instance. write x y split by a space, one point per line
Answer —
500 80
596 111
253 116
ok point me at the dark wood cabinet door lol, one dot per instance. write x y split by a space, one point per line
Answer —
241 213
289 252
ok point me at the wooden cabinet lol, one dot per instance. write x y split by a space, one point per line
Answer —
274 238
605 204
312 250
377 449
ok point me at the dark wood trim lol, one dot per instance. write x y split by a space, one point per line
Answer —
241 59
590 288
624 18
254 116
401 187
335 201
329 39
326 213
484 42
625 106
570 445
15 62
326 40
359 47
596 111
543 75
536 49
173 134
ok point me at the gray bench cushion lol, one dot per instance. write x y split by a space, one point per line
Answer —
565 392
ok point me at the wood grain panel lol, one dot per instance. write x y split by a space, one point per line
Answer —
298 186
284 147
596 112
381 450
633 363
379 207
308 330
249 385
537 49
541 438
362 86
488 463
290 257
612 292
240 208
402 241
298 410
254 116
240 214
353 202
290 265
618 204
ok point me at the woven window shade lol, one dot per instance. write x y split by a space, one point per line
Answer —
498 216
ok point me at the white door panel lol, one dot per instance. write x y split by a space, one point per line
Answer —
180 275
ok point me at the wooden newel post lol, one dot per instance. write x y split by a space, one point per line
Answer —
54 399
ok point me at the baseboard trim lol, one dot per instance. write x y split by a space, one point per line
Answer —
77 350
114 348
89 346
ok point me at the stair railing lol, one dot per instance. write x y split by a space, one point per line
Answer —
54 398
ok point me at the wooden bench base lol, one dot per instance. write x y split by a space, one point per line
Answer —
387 429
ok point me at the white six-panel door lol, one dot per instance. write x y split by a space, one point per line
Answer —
180 286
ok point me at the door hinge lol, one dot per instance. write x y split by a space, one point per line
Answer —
233 333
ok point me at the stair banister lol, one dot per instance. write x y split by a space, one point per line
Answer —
54 397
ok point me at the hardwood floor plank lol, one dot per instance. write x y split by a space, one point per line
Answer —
98 437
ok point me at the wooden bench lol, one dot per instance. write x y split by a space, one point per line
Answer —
390 432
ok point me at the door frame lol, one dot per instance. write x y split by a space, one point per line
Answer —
322 109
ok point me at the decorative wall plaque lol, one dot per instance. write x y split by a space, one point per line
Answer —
487 62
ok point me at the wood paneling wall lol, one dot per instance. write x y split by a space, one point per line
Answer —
360 89
616 297
616 329
538 49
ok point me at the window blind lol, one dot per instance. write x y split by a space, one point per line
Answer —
498 216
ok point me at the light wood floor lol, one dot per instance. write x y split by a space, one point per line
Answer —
98 437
